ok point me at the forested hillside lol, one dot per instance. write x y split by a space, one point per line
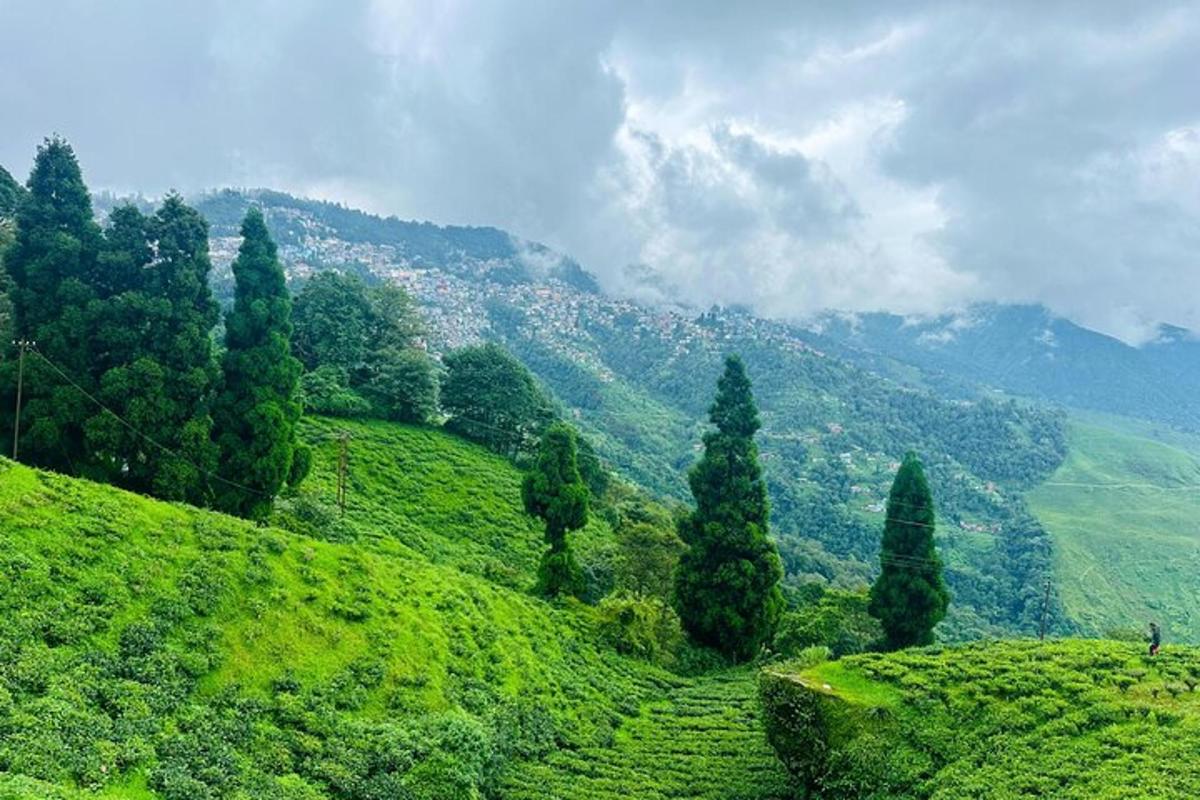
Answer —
1027 350
636 379
157 651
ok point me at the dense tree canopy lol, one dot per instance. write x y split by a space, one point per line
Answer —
152 338
366 341
52 267
727 585
554 492
491 398
257 409
909 597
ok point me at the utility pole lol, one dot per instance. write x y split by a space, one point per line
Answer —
343 461
22 345
1045 608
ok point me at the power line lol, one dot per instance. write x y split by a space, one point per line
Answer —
207 473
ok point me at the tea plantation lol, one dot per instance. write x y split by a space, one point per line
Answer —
152 650
1071 719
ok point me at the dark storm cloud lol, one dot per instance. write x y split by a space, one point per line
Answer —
907 155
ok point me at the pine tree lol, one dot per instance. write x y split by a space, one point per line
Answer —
727 584
52 267
153 336
554 491
909 597
257 410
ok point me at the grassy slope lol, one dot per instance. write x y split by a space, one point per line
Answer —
1124 511
420 585
1067 719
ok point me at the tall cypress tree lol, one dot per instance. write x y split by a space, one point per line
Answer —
554 491
909 597
257 409
727 584
52 265
154 334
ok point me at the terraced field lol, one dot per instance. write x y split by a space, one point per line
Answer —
155 651
703 741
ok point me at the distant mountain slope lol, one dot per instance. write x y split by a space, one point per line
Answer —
638 380
1029 351
1124 511
155 651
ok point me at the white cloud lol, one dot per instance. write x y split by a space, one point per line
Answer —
905 155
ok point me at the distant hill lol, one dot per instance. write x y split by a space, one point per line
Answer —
638 381
1027 350
158 652
1124 511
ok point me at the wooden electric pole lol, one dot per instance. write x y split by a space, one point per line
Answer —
22 346
343 461
1045 608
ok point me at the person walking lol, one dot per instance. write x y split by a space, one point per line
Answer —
1155 638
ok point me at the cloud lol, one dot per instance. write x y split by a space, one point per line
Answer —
913 156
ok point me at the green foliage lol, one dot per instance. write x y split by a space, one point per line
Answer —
150 332
257 410
491 398
554 492
52 267
648 555
909 597
1071 719
1122 511
403 386
835 619
369 336
153 650
11 194
645 627
325 390
727 584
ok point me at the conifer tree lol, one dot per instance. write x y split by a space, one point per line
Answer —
257 409
51 266
909 597
554 491
727 584
154 334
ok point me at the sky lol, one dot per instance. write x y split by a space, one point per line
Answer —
787 156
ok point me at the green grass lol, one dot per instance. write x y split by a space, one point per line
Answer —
153 650
1066 719
1124 512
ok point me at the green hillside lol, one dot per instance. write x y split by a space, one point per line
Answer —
1124 511
153 650
1070 719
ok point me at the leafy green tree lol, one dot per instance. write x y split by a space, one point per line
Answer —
326 390
52 265
909 597
492 399
257 410
727 585
332 320
369 335
11 194
403 385
554 491
647 556
153 333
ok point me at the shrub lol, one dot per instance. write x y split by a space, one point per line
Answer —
641 626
